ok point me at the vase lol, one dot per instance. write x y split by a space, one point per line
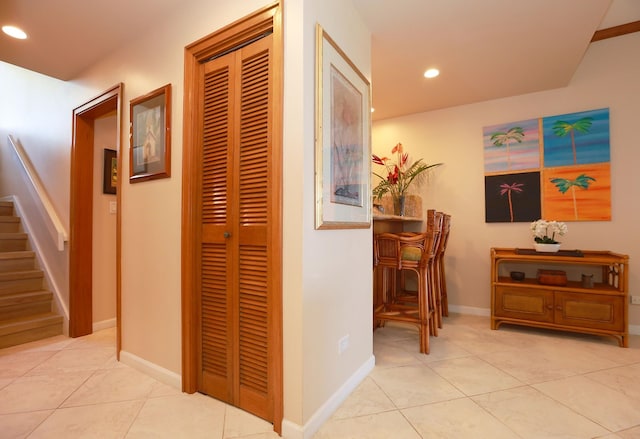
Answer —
546 248
398 205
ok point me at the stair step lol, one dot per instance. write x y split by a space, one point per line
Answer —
20 281
24 329
25 304
11 242
17 261
6 208
9 224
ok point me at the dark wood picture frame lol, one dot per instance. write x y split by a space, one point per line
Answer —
150 136
110 172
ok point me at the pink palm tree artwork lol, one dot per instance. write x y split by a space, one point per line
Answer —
507 189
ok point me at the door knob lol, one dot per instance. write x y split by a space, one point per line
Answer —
227 234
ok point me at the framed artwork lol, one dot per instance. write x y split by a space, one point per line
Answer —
110 172
150 149
555 167
343 139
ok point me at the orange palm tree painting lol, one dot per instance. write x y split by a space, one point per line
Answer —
578 193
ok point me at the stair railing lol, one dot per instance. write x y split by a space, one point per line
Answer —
59 232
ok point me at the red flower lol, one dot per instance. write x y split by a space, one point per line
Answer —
377 160
397 148
392 178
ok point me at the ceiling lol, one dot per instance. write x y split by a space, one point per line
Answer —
484 49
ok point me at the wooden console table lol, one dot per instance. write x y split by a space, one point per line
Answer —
601 309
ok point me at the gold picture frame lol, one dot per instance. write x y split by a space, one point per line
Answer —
343 139
150 136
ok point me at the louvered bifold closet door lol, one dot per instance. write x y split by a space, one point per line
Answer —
236 294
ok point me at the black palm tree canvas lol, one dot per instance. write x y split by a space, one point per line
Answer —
512 197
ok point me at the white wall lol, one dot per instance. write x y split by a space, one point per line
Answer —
151 210
104 229
328 273
607 77
36 110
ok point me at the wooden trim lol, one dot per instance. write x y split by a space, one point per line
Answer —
241 31
616 31
119 153
234 34
81 212
276 234
192 112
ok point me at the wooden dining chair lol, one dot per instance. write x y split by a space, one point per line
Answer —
385 258
405 294
441 282
413 254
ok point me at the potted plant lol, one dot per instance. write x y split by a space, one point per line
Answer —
544 234
400 175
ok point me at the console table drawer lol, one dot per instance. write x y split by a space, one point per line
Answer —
594 311
524 303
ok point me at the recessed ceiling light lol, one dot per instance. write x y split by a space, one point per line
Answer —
431 73
14 32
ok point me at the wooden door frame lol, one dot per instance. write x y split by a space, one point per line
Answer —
267 19
81 207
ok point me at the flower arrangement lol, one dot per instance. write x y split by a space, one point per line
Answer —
544 232
400 174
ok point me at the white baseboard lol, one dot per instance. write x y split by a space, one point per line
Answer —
104 324
291 430
153 370
485 312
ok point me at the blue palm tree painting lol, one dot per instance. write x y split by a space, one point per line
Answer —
511 147
576 138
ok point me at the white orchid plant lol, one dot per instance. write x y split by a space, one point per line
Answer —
544 232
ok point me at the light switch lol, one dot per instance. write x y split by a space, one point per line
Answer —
113 207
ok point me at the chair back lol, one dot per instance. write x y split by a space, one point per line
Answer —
386 250
444 237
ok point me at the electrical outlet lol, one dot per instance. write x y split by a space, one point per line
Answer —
343 344
635 300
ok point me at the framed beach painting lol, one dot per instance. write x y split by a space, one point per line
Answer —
343 140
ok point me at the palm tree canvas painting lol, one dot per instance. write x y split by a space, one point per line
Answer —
568 154
578 193
512 147
576 138
512 197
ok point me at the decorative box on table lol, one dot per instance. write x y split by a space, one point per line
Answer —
552 277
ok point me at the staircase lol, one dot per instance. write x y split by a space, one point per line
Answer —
25 307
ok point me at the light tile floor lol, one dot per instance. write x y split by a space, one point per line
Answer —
476 383
75 388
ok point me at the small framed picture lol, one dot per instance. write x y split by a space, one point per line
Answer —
110 173
150 149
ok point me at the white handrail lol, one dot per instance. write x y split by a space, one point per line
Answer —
61 233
